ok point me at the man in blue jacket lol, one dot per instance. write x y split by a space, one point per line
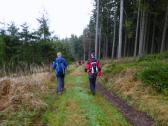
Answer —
60 66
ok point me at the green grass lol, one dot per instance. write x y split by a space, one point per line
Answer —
77 107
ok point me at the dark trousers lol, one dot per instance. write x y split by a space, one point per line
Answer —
60 84
92 80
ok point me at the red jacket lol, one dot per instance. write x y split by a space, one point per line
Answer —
88 67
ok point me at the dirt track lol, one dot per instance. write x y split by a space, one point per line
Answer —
135 117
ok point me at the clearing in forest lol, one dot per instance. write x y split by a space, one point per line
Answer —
77 106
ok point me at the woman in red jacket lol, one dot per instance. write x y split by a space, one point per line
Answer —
93 68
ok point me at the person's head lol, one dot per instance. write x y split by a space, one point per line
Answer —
92 55
59 54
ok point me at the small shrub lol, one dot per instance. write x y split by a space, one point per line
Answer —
113 69
160 56
157 76
116 68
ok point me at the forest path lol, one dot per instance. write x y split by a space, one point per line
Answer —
77 106
134 116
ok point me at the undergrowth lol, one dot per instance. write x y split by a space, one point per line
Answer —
156 75
151 69
21 99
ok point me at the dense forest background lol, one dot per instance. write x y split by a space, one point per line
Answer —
117 28
127 28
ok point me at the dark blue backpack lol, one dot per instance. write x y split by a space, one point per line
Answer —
60 68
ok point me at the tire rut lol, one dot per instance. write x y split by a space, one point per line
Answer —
135 117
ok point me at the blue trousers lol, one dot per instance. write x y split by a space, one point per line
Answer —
92 80
60 84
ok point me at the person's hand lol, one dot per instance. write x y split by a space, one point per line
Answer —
100 74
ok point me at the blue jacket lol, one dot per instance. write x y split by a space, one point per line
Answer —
58 60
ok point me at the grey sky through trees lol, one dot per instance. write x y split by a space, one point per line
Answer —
66 17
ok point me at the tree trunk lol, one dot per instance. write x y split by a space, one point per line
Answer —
145 42
84 50
141 39
164 31
125 45
148 39
114 36
100 43
153 36
89 47
137 30
97 26
106 46
120 29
